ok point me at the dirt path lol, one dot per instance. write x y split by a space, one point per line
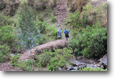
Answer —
8 67
57 44
61 12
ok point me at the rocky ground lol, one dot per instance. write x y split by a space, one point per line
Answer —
81 62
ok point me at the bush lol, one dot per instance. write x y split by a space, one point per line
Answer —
54 60
42 26
51 31
75 20
27 65
90 42
92 69
41 18
7 35
54 19
5 20
14 60
4 51
24 65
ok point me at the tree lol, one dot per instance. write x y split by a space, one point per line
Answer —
28 33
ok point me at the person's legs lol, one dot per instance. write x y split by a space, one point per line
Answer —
67 38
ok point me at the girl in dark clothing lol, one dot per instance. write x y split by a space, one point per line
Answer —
66 32
67 36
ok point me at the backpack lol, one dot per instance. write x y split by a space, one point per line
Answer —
66 33
58 34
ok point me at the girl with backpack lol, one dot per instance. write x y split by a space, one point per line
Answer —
66 32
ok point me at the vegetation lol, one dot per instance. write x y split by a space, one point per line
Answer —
51 60
89 38
34 23
90 42
4 51
28 32
14 60
54 60
5 20
92 69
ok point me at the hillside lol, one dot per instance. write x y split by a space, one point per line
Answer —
28 35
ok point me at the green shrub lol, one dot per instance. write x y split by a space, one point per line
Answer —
4 51
7 35
14 60
53 18
43 59
42 26
54 60
51 31
5 20
45 39
90 42
41 18
27 65
92 69
75 20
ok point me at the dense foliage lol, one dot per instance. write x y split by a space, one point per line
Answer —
5 20
54 60
91 41
7 41
28 32
4 51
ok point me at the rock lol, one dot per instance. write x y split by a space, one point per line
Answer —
92 62
91 65
103 61
74 64
26 60
82 66
60 69
102 67
68 67
11 55
75 68
57 24
57 8
72 68
79 58
61 19
58 13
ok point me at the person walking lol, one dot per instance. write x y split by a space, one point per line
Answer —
59 33
66 32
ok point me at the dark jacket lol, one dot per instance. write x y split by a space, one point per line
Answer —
58 34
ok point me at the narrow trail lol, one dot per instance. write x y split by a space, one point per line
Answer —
61 15
57 44
61 12
8 67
